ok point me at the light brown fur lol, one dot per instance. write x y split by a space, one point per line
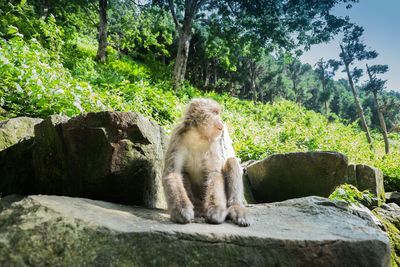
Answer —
202 177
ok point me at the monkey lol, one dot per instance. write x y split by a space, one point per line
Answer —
202 176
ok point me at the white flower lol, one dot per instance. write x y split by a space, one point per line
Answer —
4 60
18 88
77 104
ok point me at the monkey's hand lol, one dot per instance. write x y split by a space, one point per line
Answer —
216 214
238 215
182 213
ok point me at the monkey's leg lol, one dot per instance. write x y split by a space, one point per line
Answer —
215 200
234 189
179 205
193 196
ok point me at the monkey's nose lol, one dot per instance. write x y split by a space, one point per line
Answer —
220 126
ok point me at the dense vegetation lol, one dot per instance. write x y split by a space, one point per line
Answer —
47 66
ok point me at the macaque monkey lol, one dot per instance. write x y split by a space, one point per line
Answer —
202 177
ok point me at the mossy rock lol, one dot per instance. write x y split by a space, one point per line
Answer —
14 130
390 218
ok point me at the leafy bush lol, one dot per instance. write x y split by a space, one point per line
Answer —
352 195
33 81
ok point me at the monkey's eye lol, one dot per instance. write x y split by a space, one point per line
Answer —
215 111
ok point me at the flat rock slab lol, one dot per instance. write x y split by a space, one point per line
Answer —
63 231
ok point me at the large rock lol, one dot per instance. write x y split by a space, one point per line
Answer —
351 174
63 231
284 176
16 169
16 142
370 178
393 197
113 156
14 130
365 177
390 218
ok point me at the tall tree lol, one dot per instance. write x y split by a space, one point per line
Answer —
269 24
101 55
325 71
375 86
191 7
390 105
352 49
295 71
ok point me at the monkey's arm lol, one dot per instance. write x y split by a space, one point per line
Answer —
179 205
233 174
215 199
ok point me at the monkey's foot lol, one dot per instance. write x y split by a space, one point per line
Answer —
216 214
182 215
238 215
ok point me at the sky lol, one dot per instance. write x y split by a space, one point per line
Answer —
381 22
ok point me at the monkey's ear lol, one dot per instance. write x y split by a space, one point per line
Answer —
190 121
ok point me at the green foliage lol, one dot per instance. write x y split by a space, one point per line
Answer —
55 73
137 31
33 82
352 195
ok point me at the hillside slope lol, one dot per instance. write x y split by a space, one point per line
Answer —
38 81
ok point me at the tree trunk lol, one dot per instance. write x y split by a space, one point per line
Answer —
358 105
215 72
382 123
208 75
185 34
253 81
44 8
326 107
101 51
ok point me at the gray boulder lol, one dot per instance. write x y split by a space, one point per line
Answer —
16 169
113 156
351 174
15 130
389 215
16 142
285 176
365 177
62 231
370 178
393 197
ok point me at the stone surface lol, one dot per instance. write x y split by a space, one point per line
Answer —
14 130
63 231
389 215
113 156
351 175
393 197
16 142
16 169
370 178
285 176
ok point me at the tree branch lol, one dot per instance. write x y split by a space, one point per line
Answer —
172 8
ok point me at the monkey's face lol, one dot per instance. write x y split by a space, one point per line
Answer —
204 115
212 126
